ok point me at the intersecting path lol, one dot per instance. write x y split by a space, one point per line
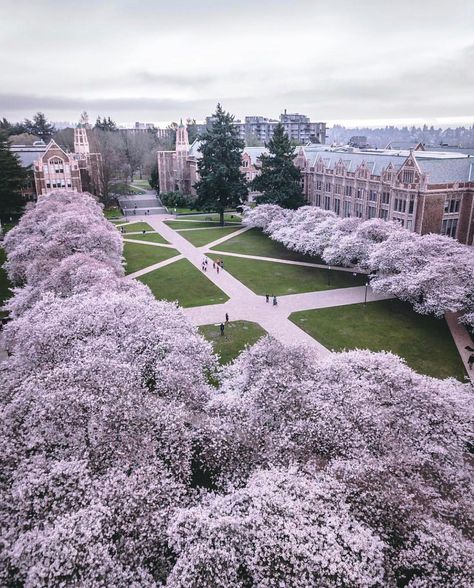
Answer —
243 304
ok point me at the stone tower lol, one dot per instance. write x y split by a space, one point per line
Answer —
182 149
81 142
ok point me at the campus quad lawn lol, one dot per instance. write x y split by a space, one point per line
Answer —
151 237
112 213
176 224
181 281
200 238
141 256
254 242
270 277
237 334
209 216
139 226
424 341
5 285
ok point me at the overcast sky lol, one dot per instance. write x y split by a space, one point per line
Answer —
350 61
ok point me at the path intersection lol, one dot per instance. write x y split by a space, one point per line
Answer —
243 304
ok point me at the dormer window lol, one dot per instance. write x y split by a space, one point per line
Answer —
408 176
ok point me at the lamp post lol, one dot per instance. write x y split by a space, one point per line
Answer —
366 288
329 275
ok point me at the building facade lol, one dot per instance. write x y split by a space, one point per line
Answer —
81 171
426 192
298 127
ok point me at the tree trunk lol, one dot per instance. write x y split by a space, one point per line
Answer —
221 220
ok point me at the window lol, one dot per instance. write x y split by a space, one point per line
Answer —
400 205
408 176
327 202
319 185
383 214
348 190
373 195
338 189
318 199
411 205
337 206
347 208
359 193
385 197
328 187
449 227
371 212
451 205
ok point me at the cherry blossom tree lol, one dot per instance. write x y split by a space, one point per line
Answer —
282 529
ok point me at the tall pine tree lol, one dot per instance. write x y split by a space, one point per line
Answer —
12 177
279 180
221 185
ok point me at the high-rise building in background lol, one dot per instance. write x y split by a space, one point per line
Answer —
298 127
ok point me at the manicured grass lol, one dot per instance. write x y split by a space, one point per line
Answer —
390 325
125 189
209 216
139 226
200 238
254 242
5 284
151 237
237 334
181 281
176 224
113 212
268 277
181 210
141 256
143 184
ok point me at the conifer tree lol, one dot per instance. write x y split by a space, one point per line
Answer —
12 177
279 180
221 184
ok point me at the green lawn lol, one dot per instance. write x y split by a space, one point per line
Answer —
209 216
141 256
268 277
151 237
237 335
200 238
121 188
143 184
424 341
254 242
113 212
176 224
183 282
139 226
5 285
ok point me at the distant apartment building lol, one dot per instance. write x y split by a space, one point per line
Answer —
81 171
298 127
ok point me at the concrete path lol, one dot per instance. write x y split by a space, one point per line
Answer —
462 339
243 304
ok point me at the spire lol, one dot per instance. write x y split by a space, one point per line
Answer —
182 140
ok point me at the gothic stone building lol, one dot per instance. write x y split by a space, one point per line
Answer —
427 192
80 171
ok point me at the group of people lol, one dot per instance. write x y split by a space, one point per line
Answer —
216 264
222 326
273 297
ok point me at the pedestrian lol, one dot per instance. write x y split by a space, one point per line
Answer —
267 298
217 268
275 301
214 265
143 232
222 263
470 361
222 329
148 211
226 317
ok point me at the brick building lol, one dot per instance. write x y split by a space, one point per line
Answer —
81 171
426 191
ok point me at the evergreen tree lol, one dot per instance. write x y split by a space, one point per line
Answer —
40 127
106 124
12 177
279 180
154 178
221 185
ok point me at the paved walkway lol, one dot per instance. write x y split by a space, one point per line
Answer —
461 338
243 304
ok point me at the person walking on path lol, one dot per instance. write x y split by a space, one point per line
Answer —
217 268
222 329
222 263
213 265
275 302
470 361
226 317
267 298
